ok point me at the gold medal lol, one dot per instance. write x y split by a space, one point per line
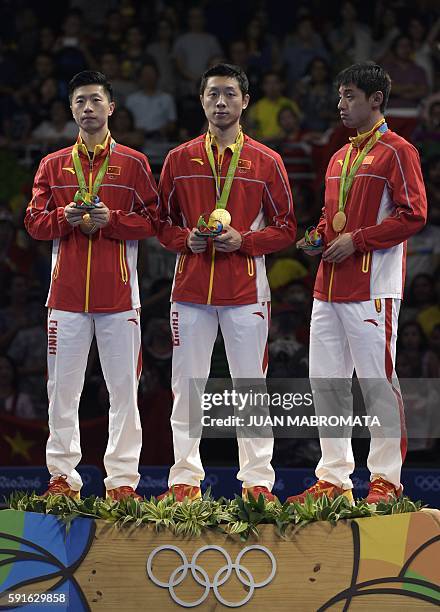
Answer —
339 221
221 215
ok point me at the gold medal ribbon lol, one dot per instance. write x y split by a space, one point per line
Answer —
347 180
92 190
223 195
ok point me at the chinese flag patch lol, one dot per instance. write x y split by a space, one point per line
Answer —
244 163
115 170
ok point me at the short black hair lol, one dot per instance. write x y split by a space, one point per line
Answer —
369 77
90 77
226 70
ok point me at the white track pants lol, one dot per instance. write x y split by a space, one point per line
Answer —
119 343
361 336
244 330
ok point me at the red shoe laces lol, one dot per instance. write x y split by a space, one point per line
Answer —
59 484
378 486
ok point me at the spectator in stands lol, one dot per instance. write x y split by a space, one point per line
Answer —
284 348
385 30
263 115
192 51
412 341
19 313
123 130
292 145
410 83
239 56
423 40
122 87
316 96
423 303
421 294
8 72
58 131
162 52
113 33
431 365
264 54
133 53
72 47
13 401
350 40
13 258
28 350
42 68
26 32
423 250
426 136
153 110
307 206
46 95
289 125
300 49
46 39
433 188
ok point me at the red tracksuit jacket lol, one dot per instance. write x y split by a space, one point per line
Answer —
95 273
261 207
386 205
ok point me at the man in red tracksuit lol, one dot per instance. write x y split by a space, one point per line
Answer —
94 287
374 201
222 280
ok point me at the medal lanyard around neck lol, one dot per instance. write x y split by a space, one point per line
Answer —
93 189
222 197
347 181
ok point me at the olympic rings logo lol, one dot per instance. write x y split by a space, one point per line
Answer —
428 483
201 576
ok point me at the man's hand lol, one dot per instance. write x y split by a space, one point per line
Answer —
229 240
73 215
99 216
197 244
311 252
339 249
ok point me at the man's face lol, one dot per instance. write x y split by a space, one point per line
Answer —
355 108
223 101
91 108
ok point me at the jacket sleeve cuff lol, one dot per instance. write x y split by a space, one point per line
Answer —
359 241
186 248
112 222
63 225
246 243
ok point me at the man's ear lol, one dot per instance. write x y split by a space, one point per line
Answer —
246 99
111 109
377 99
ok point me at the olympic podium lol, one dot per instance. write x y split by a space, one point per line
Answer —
377 563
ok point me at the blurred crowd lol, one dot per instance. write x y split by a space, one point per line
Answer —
154 53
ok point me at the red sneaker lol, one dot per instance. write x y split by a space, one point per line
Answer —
122 493
256 492
382 491
319 489
58 485
182 492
